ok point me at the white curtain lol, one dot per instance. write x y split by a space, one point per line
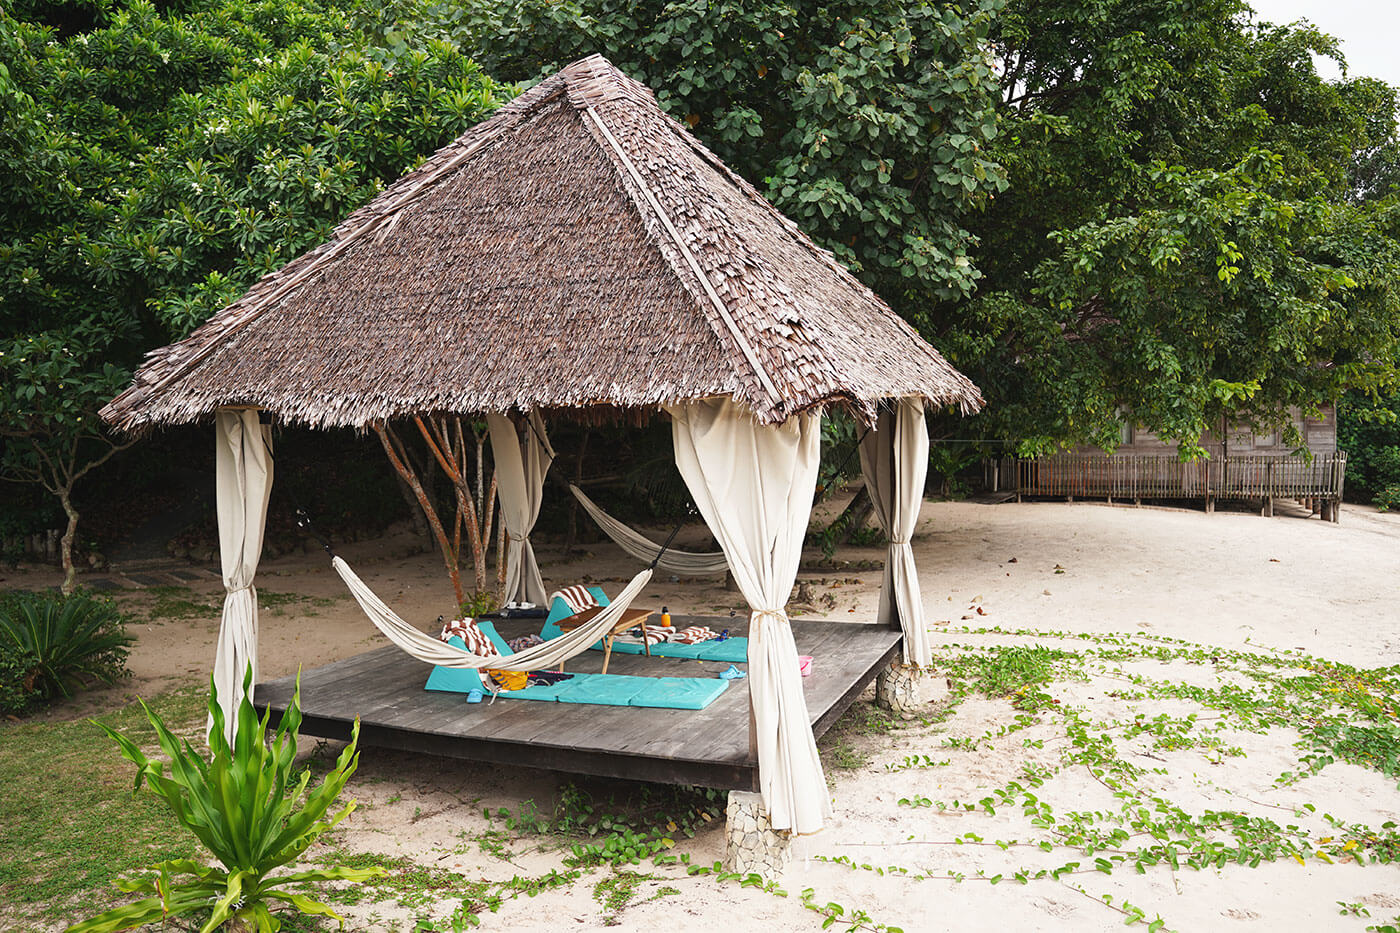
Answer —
754 485
894 459
521 465
242 483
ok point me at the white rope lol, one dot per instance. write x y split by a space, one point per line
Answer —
431 650
685 563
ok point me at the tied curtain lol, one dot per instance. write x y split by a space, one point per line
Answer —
242 483
894 459
521 465
754 485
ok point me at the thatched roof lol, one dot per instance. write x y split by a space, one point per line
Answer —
537 262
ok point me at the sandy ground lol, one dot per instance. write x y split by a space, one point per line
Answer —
1233 580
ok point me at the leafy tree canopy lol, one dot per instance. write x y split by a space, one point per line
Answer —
1181 235
157 160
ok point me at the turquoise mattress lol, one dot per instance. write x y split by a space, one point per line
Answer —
594 689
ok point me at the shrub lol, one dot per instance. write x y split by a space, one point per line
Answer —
67 641
1388 498
16 684
1369 431
242 804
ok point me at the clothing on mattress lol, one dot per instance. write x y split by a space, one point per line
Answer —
525 641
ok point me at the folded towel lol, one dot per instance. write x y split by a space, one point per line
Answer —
694 634
475 640
577 598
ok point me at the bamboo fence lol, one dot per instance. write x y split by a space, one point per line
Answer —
1127 476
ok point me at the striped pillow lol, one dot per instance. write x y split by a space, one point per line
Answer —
577 598
474 638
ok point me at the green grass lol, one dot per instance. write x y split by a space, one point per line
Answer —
71 825
180 603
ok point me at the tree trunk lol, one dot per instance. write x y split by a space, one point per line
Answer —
70 573
415 514
449 558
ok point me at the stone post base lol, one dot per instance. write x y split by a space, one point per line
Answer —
897 687
750 844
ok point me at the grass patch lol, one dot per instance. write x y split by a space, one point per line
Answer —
182 604
72 825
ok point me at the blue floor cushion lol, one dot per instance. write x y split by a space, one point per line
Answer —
603 689
489 630
680 692
731 650
456 679
597 689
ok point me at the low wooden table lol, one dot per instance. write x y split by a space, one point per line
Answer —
631 618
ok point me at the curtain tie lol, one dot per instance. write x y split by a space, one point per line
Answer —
230 590
898 539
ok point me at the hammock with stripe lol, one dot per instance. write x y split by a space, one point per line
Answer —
682 563
432 650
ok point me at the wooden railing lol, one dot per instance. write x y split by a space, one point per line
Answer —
1129 476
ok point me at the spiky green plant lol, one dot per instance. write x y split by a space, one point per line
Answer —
249 811
67 640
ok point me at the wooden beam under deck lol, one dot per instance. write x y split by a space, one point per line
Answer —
708 747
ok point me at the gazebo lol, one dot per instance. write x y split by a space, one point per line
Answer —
579 254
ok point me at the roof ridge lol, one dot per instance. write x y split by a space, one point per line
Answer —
622 162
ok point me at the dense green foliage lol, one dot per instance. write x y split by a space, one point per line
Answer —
50 645
1369 431
247 806
158 161
1180 236
1153 206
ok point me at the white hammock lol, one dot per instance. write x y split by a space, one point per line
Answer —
431 650
684 563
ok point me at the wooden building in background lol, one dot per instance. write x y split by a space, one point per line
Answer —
1241 466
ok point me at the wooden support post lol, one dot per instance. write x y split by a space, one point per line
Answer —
1210 505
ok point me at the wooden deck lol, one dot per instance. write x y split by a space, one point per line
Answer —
708 747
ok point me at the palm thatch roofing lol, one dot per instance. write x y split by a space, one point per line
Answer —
578 249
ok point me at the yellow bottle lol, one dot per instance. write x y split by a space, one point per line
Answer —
665 617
